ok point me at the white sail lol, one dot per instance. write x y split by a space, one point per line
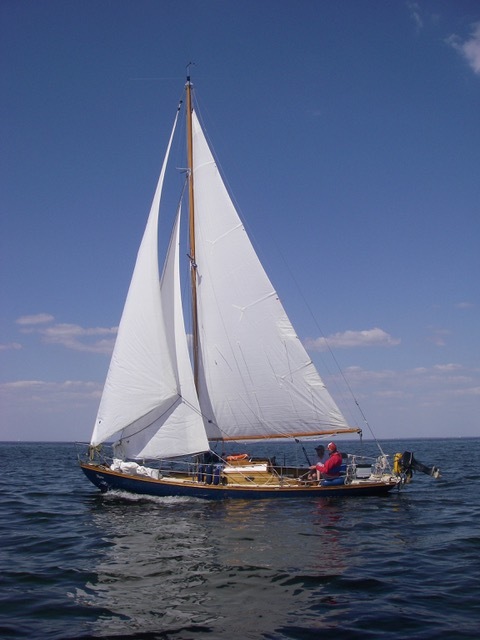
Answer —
256 379
142 401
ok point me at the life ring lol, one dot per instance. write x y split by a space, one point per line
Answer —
238 456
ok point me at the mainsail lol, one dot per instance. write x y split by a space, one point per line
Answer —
256 380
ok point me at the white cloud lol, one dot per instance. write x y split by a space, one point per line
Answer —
469 391
391 397
414 9
447 367
10 346
438 336
52 396
348 339
45 410
358 375
464 305
469 49
435 400
39 318
435 381
70 336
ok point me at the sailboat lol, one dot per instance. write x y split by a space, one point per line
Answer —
174 404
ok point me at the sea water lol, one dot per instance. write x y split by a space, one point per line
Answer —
78 564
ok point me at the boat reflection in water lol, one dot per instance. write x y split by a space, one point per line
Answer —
181 566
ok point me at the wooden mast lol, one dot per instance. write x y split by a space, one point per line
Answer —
191 217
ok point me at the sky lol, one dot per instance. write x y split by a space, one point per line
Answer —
349 133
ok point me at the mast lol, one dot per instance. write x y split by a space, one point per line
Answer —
191 217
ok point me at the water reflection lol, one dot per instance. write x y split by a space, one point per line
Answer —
177 565
151 575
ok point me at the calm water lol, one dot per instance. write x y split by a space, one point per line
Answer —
77 564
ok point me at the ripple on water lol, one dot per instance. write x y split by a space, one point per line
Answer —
75 563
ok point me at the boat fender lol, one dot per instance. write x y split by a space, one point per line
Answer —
238 456
208 474
217 470
334 482
397 464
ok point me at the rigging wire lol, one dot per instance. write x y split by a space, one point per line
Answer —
256 415
337 364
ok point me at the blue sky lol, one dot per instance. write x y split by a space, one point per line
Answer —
349 132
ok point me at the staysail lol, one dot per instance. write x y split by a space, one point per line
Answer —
148 400
255 380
